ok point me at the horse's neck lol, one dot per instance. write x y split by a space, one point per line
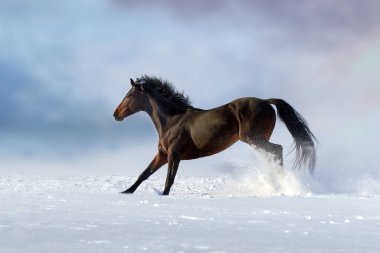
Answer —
160 116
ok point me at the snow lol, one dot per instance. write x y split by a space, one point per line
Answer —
208 214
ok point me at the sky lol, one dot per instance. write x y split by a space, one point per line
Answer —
65 66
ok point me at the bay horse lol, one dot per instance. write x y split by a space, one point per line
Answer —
186 132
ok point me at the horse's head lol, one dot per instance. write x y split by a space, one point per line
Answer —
133 102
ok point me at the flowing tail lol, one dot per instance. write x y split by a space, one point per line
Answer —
303 137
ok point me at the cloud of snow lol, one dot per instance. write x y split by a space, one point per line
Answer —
255 174
262 177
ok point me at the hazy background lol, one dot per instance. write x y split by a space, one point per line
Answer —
65 66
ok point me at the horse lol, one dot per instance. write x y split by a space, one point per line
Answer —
186 132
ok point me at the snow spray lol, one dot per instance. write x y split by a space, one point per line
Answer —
264 177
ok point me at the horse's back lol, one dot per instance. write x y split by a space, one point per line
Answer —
237 113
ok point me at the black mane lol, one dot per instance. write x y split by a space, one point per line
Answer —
166 89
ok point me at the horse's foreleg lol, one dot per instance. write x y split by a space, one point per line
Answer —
173 163
158 161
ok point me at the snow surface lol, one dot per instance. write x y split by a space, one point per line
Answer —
212 214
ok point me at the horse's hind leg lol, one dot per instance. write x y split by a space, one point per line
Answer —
275 150
158 161
257 128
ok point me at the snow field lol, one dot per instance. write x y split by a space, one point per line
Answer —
87 214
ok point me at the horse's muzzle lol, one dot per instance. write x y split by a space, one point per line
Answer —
116 116
119 119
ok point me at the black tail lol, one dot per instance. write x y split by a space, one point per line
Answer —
303 137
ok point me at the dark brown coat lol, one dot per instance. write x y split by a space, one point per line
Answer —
188 133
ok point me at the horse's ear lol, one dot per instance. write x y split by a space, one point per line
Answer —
133 82
139 86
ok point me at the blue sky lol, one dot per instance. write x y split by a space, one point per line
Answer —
65 66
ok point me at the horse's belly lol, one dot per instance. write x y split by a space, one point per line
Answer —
219 144
209 148
213 138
